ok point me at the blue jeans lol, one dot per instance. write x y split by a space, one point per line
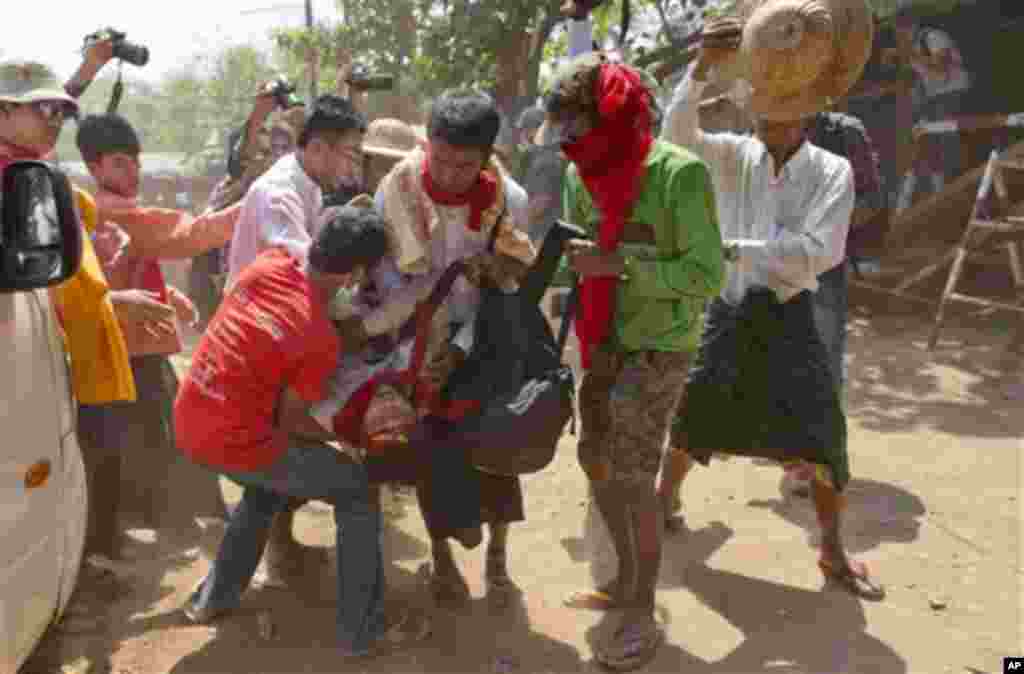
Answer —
312 472
831 304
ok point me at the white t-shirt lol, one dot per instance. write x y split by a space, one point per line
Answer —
282 208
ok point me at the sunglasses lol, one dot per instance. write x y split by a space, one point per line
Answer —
53 111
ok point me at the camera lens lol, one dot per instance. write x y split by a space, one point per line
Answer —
135 54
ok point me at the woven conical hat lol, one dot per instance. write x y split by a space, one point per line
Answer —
389 137
799 56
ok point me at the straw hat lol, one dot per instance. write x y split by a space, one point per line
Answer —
390 138
799 56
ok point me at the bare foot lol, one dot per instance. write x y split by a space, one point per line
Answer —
285 563
501 589
448 588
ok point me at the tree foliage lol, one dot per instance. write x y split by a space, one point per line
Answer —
200 101
437 44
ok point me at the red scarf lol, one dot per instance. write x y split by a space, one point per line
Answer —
610 160
480 196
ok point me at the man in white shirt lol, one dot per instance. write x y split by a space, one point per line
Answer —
283 208
445 203
784 208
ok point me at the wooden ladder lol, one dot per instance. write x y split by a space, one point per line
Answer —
992 227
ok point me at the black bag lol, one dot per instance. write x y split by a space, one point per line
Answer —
515 371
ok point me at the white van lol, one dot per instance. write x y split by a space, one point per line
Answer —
42 478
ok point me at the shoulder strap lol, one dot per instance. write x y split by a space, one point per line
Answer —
497 223
567 317
418 326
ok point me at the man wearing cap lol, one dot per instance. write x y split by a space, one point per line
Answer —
784 207
33 108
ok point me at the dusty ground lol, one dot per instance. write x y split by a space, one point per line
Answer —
935 506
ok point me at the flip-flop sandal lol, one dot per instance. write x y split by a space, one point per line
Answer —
855 579
632 647
591 600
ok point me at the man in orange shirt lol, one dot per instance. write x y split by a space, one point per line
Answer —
111 148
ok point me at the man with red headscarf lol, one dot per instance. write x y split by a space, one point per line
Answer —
656 259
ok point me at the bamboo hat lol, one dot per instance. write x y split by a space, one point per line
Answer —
799 56
390 138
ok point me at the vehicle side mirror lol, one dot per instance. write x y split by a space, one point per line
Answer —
40 237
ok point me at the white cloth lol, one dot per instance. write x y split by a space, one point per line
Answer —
802 216
453 240
282 208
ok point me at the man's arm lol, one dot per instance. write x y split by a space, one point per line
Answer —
820 243
293 418
262 108
575 212
682 120
697 267
345 90
96 56
682 123
168 234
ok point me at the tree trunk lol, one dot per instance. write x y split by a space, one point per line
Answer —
406 21
536 55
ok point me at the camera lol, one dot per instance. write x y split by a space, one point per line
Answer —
362 80
136 54
283 92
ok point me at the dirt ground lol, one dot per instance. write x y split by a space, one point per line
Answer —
934 506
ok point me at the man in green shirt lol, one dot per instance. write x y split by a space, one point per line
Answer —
655 260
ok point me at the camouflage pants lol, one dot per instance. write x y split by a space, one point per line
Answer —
627 402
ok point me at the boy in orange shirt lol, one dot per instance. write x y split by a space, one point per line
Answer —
111 148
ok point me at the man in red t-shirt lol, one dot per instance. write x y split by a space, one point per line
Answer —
261 363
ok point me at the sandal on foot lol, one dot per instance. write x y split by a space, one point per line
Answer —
591 600
855 578
633 646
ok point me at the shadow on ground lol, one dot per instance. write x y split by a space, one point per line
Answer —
785 629
896 384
